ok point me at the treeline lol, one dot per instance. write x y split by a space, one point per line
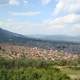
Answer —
27 69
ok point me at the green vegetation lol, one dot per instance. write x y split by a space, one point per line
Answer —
27 69
24 69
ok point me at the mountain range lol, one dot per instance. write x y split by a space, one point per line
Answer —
9 36
14 38
67 44
64 38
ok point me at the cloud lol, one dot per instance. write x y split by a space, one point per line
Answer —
68 19
2 2
68 6
22 27
1 23
45 2
59 7
10 2
13 2
24 13
25 1
67 25
76 29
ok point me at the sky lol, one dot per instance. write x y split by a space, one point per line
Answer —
43 17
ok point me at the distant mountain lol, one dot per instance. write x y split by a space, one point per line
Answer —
10 37
47 42
57 38
7 36
14 38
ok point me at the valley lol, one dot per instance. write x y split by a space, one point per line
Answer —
20 59
24 58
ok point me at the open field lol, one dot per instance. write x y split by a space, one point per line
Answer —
72 72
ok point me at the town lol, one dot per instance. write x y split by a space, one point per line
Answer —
15 51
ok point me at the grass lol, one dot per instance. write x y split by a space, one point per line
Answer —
73 73
25 69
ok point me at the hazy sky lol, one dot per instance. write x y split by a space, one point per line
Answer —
41 16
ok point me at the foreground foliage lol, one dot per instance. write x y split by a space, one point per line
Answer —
25 69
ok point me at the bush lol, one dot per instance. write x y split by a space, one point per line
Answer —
25 69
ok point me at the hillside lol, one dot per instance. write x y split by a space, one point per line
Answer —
18 39
7 36
66 38
24 58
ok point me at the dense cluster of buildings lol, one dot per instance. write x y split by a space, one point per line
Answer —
14 51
